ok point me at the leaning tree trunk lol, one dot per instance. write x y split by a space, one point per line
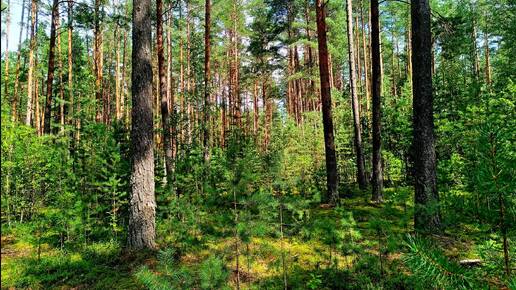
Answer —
329 144
426 216
377 182
142 206
51 66
354 100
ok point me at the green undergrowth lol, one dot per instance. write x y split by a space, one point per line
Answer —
358 245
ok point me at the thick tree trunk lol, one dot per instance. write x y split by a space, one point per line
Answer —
51 66
332 194
206 115
142 206
15 100
426 216
61 84
377 182
30 78
354 100
165 115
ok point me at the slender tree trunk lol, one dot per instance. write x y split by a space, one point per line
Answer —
207 40
354 100
366 57
98 63
488 61
32 47
51 66
142 206
332 194
6 56
377 182
426 216
15 100
61 84
256 112
70 64
165 115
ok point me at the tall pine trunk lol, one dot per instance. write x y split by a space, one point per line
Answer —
14 105
206 107
354 99
51 66
377 182
426 216
30 78
142 206
165 115
329 144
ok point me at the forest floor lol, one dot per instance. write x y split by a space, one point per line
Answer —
374 255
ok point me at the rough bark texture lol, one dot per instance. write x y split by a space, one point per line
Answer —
51 66
377 181
354 99
329 144
426 216
142 204
97 55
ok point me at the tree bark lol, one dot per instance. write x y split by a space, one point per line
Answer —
165 115
51 66
377 182
142 203
206 132
98 63
354 100
30 78
14 105
488 61
426 216
70 63
329 144
6 56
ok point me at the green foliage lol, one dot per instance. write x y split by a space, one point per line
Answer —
432 268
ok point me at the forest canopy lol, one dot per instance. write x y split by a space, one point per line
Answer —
258 144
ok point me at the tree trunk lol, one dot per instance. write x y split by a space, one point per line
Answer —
6 56
97 55
70 64
377 182
61 85
14 104
488 61
32 47
332 194
206 133
142 203
426 216
366 57
165 115
354 100
51 66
